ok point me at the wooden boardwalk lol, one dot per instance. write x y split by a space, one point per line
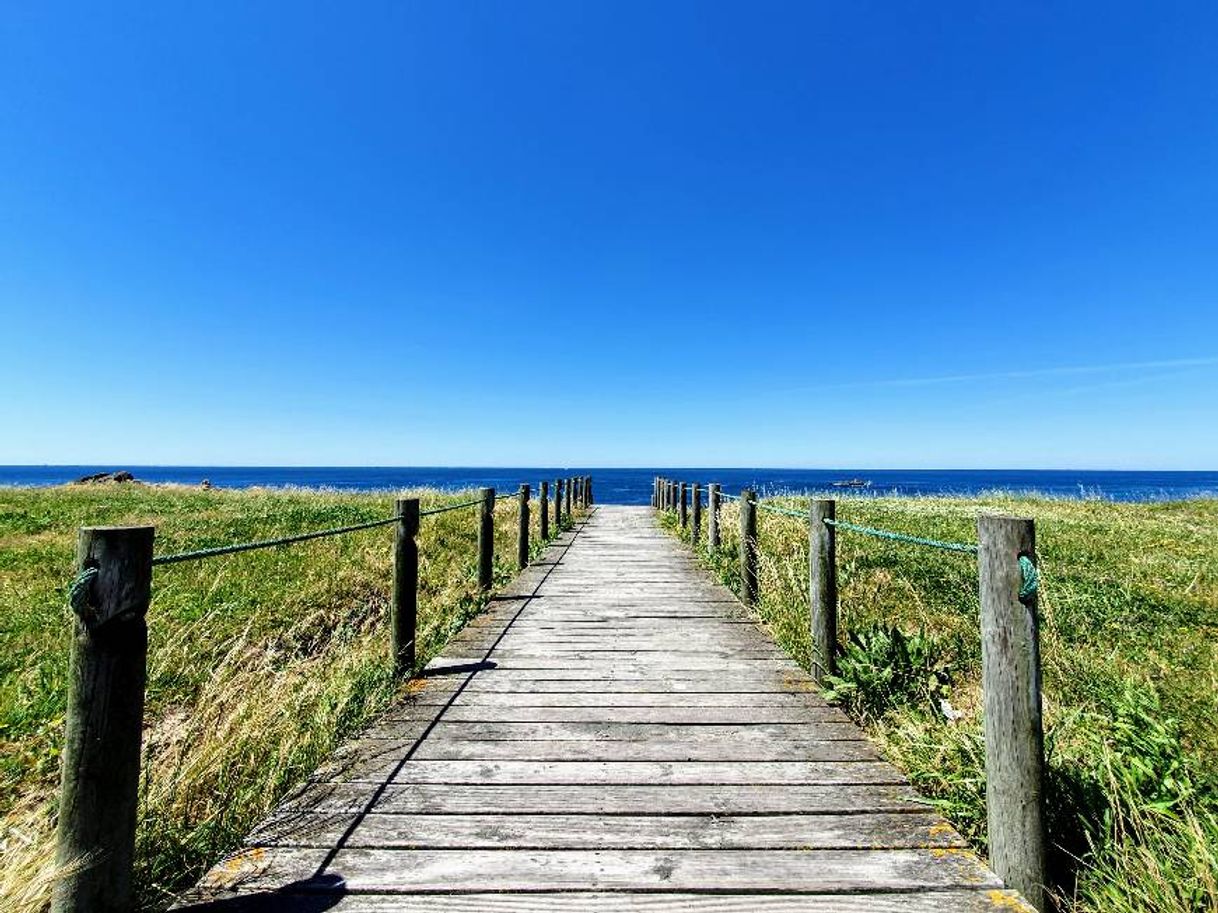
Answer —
614 734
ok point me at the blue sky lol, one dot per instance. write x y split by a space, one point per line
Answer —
776 234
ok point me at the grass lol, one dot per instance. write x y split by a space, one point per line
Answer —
259 663
1129 614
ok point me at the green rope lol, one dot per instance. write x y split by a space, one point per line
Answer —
786 512
444 510
964 547
265 543
79 589
1031 579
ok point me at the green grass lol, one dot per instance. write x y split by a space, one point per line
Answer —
1129 606
259 663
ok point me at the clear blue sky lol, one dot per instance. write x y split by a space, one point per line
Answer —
775 234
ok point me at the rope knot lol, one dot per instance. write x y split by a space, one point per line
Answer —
80 594
1031 579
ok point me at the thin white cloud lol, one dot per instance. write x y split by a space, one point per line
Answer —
1065 371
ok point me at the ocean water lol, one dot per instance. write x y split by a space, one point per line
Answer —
633 486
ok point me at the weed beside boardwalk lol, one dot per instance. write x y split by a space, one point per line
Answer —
1129 606
259 664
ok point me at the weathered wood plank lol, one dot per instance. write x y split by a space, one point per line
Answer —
632 799
949 901
809 871
909 830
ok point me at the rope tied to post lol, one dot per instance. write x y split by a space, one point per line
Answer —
79 591
1031 579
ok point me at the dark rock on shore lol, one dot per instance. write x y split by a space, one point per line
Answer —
101 478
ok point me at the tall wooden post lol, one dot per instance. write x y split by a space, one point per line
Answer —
557 506
522 539
822 587
486 539
567 496
591 495
696 529
684 505
1014 735
672 495
405 606
712 507
748 546
655 488
99 782
543 508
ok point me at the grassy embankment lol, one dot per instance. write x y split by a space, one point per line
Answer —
259 663
1129 603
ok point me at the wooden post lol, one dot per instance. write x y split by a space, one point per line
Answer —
522 539
486 539
822 587
581 500
748 546
99 781
712 507
405 605
567 497
672 496
696 530
544 510
557 506
684 506
655 491
1014 737
591 495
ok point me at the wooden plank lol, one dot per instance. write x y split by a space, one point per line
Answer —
887 830
478 712
647 799
657 773
796 871
339 901
652 750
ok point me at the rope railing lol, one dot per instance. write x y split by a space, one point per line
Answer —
447 507
962 547
1008 589
218 550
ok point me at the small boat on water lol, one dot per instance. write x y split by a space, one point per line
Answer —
852 483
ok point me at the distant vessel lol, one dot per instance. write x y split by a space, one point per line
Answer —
852 483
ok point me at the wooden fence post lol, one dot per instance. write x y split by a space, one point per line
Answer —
522 539
543 508
567 496
712 507
1014 736
591 495
822 587
696 529
486 539
557 506
655 492
748 546
99 781
684 506
672 495
405 605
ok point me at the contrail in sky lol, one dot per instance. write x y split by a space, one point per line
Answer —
1030 373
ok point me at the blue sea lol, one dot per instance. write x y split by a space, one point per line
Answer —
633 486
